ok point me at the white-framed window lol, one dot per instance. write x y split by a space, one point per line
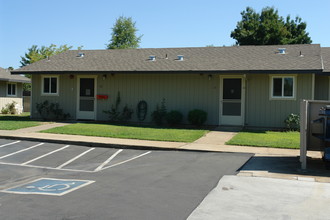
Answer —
283 87
11 89
50 85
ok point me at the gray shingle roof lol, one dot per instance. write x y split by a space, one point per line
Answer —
6 76
222 59
326 59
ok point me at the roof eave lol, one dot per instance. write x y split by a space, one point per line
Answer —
15 80
293 71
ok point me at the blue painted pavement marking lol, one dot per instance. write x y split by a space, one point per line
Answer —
49 186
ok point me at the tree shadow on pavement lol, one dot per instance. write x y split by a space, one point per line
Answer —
286 165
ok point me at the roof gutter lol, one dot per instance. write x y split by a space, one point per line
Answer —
15 80
314 71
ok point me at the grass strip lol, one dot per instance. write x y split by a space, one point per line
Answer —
14 122
290 140
129 132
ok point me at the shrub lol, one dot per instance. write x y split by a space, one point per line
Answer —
174 118
292 122
115 115
197 117
126 114
51 111
158 116
114 110
4 111
10 108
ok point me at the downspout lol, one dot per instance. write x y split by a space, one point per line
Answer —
313 86
31 97
322 67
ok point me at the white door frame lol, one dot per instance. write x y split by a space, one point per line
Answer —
233 120
81 115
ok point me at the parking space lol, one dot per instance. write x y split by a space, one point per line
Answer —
64 157
60 181
49 186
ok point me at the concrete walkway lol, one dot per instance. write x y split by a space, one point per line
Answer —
248 198
213 141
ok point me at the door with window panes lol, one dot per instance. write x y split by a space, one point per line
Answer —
232 100
86 107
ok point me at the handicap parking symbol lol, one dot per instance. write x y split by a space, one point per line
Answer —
49 186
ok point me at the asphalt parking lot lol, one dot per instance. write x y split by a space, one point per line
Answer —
58 181
63 157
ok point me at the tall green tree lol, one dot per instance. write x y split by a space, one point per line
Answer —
268 28
124 34
35 53
297 30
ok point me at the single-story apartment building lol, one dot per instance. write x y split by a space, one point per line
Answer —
11 89
252 86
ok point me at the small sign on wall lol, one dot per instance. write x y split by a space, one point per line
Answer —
102 96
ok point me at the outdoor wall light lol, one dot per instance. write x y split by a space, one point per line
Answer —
71 76
104 77
210 77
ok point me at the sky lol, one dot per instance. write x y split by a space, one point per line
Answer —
170 23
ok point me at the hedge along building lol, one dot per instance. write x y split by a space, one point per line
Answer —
255 86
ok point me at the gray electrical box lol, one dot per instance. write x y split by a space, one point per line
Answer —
314 129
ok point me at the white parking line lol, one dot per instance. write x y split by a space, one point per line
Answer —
73 159
125 161
8 155
108 160
9 144
45 155
45 167
102 165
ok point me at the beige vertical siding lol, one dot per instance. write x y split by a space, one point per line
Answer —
8 100
321 87
182 92
66 99
4 99
261 111
3 89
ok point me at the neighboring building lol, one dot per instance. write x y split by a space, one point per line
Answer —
254 86
11 89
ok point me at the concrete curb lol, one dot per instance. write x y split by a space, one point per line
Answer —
214 141
106 145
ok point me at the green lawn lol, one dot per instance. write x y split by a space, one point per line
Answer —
130 132
13 122
267 139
